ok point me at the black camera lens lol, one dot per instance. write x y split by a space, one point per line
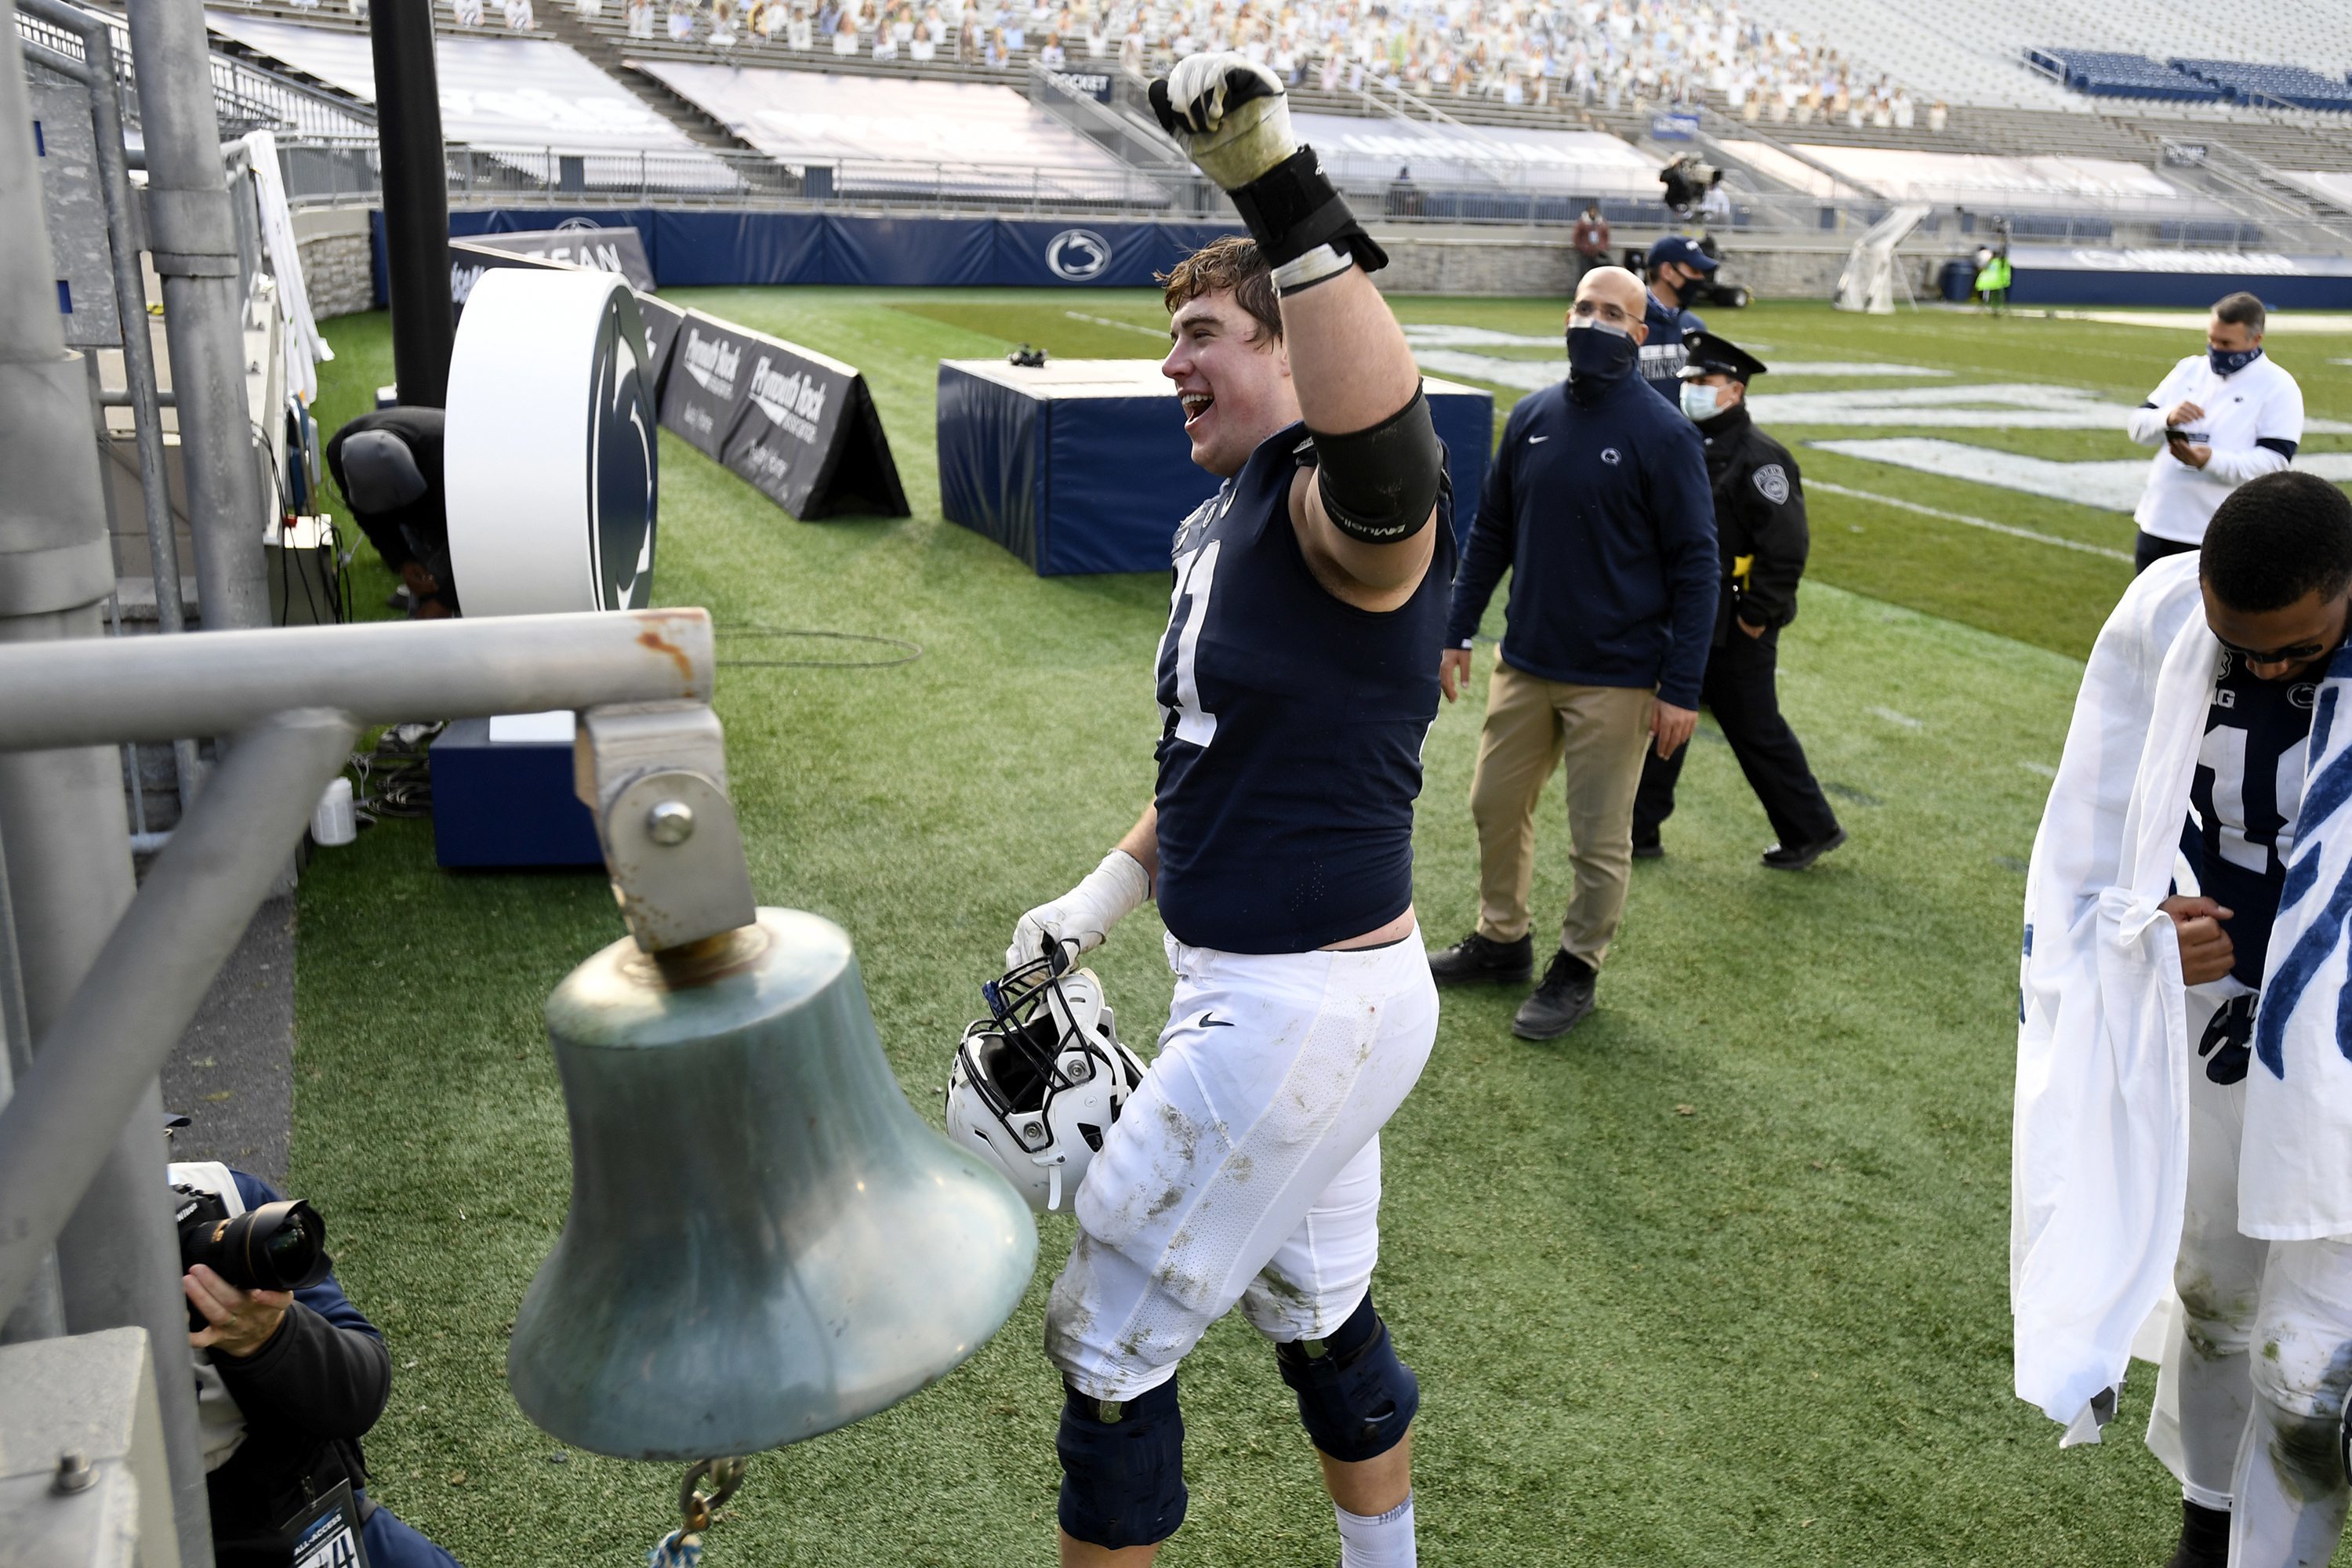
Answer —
277 1246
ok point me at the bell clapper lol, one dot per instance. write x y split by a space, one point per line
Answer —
682 1548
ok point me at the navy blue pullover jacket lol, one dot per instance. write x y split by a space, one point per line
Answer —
1605 519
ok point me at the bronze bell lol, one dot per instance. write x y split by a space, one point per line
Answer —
765 1241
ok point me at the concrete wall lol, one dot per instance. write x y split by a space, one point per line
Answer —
335 261
1467 261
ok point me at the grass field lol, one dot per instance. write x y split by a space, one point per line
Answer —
1719 1278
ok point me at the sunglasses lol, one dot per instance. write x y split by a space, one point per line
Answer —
2293 653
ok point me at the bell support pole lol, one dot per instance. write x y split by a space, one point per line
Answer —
298 695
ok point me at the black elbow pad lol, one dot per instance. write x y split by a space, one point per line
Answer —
1380 484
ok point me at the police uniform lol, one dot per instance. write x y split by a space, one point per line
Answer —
1759 519
1245 1169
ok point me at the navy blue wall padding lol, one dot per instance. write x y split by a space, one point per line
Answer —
910 252
1076 485
718 248
1127 255
722 248
2326 286
1115 485
1465 423
991 453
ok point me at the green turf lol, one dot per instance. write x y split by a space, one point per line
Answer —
1720 1279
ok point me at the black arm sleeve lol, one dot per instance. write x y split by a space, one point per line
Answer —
1380 484
1778 532
312 1377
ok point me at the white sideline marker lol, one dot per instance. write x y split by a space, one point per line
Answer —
1983 522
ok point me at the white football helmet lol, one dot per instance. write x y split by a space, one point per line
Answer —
1038 1082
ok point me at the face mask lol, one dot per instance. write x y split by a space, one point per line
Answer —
2231 361
1699 401
1600 353
1674 290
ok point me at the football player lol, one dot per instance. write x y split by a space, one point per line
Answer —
1297 677
2215 688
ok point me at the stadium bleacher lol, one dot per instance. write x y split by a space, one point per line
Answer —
495 91
2106 74
2258 84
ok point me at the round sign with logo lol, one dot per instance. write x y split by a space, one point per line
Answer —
548 457
1078 255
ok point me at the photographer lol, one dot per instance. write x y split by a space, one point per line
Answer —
287 1382
388 466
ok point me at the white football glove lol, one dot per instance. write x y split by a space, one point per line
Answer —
1080 919
1230 115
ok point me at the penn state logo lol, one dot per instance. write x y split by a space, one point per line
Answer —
1078 255
1772 483
1611 456
622 473
576 223
2304 694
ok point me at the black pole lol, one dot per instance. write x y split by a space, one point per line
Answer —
415 199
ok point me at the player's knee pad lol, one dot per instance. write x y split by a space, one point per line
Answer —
1122 1468
1355 1397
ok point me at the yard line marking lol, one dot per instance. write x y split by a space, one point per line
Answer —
1892 717
2040 770
1107 321
2010 530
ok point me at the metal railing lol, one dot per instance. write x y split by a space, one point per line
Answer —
247 96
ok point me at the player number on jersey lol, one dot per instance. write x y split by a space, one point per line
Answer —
1196 575
2224 751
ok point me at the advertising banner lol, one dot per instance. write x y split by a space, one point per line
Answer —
710 377
662 322
620 250
808 436
468 259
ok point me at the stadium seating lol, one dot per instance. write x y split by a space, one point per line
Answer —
2104 74
2260 84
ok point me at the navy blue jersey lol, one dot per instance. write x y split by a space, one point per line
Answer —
1291 755
2246 793
1664 352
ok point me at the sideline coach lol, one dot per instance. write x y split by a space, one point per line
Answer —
2222 417
1598 502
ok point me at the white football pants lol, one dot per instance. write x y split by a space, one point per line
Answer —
2259 1433
1247 1168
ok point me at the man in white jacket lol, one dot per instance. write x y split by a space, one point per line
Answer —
2224 416
2184 1100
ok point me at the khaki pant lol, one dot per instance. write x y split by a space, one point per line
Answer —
1532 724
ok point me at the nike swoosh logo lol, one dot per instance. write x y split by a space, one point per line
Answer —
1211 1021
1538 440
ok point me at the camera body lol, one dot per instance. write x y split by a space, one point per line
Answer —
277 1246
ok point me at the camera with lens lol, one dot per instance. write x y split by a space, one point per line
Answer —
277 1246
1688 180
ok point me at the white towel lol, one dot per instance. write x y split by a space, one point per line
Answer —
2295 1175
2099 1154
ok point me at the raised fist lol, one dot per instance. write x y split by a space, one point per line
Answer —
1230 115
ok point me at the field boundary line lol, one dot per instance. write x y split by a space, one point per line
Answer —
1984 523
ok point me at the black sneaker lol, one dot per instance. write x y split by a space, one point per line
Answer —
2204 1537
1797 857
1560 1003
1477 957
1648 849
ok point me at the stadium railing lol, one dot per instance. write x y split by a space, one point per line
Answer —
247 96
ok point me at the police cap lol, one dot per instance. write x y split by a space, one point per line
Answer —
1712 355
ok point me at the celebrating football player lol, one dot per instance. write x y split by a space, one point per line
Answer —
1298 676
2184 1095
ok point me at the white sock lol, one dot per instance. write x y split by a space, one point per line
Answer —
1383 1542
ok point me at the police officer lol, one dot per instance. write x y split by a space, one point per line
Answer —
1760 523
1678 267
